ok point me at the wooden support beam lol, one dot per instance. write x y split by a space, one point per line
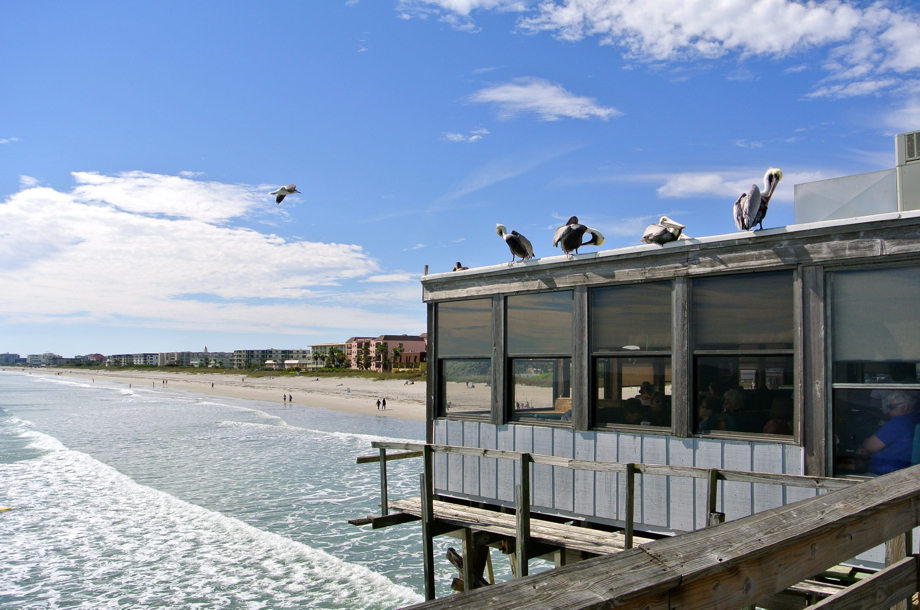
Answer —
469 578
713 516
630 503
522 530
891 586
427 536
384 507
368 459
731 565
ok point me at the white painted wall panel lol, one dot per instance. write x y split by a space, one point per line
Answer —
606 482
564 478
488 487
654 496
455 462
523 442
768 458
630 452
542 475
584 480
738 501
681 499
505 468
471 463
440 459
708 455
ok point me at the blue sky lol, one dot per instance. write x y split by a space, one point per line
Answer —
139 142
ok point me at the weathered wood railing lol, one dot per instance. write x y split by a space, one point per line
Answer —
739 563
522 490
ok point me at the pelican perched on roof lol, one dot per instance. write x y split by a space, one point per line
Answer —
519 245
666 230
751 207
570 234
283 191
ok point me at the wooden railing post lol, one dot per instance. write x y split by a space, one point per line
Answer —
469 577
713 517
522 530
897 549
427 499
630 504
384 506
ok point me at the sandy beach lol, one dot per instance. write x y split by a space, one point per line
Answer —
351 395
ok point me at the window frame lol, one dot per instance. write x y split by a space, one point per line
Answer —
438 364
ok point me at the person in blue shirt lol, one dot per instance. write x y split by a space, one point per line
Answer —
891 447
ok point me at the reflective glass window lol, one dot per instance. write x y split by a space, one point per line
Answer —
466 386
541 389
875 322
633 391
465 328
634 317
540 323
740 312
749 394
876 325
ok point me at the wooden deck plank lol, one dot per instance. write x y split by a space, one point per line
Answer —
556 534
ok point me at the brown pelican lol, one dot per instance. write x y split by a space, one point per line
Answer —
284 190
519 245
459 267
666 230
751 207
570 234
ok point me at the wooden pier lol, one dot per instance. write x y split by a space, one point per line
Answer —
861 515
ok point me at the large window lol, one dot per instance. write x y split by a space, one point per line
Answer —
743 354
539 348
631 354
464 349
875 338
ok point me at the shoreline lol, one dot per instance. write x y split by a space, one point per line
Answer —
343 394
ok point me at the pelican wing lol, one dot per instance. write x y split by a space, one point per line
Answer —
654 234
525 243
560 233
747 207
279 198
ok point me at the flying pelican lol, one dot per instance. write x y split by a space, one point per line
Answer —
751 207
570 234
284 190
666 230
519 245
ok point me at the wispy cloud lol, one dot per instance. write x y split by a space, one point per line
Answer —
415 247
8 140
905 118
473 136
188 174
499 171
27 181
547 100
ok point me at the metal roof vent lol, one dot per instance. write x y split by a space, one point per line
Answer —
907 147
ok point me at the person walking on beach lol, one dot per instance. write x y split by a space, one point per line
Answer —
285 398
378 404
384 403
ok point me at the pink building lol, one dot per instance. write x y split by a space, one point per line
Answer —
411 350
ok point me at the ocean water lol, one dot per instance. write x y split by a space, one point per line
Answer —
157 498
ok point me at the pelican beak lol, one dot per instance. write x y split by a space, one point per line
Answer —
674 225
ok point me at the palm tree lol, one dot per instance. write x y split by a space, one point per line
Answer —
397 352
384 351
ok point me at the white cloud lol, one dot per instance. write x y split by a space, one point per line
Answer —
391 277
143 193
415 247
474 136
96 254
27 181
730 184
865 41
905 118
548 100
8 140
188 174
498 171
